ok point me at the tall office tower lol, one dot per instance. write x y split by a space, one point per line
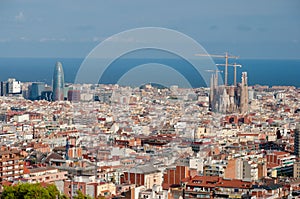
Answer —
244 93
58 82
11 86
4 88
36 90
297 140
14 86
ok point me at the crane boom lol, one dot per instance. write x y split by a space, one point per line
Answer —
226 56
220 56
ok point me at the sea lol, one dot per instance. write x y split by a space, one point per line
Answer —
270 72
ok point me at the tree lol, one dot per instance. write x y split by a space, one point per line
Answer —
27 191
80 195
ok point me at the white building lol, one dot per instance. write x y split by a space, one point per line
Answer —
14 87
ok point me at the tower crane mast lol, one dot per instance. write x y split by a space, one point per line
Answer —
234 66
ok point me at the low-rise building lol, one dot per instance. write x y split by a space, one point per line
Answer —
146 175
214 187
44 174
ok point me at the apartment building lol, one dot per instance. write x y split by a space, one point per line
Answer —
11 164
44 174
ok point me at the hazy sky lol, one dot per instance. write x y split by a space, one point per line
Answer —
56 28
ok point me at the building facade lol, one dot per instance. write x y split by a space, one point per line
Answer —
145 175
11 164
44 174
281 162
215 187
229 99
14 86
36 90
10 87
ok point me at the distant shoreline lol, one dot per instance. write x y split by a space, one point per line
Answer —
269 72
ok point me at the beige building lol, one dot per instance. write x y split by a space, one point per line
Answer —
146 175
11 164
296 170
238 168
104 189
44 174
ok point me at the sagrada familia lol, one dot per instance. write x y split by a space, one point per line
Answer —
229 99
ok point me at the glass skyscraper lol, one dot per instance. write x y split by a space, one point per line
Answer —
58 83
36 90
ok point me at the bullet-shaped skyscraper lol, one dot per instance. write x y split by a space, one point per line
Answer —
58 82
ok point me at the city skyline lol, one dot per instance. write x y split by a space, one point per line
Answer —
152 99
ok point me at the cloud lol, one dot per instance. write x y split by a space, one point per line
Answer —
20 17
24 39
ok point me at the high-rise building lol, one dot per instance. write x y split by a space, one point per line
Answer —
47 95
11 86
58 82
297 140
74 95
4 89
14 86
36 90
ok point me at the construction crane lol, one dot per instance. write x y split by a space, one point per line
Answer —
226 56
234 66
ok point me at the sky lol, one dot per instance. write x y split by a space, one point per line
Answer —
56 28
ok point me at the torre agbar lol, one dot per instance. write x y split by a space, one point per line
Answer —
58 82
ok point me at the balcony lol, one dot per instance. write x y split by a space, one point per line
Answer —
197 195
197 190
